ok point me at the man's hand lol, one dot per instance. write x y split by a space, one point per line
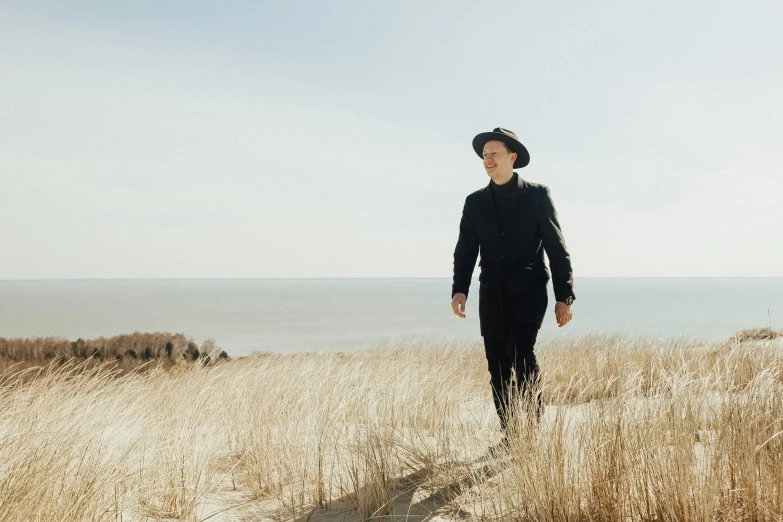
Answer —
458 304
562 313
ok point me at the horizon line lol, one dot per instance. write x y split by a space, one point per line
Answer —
21 280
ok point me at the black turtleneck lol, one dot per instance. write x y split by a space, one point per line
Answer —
504 197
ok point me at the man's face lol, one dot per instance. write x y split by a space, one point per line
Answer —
497 158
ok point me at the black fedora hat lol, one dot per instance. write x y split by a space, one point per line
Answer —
507 137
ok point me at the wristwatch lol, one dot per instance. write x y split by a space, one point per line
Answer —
569 300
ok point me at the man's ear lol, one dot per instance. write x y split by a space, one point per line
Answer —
515 157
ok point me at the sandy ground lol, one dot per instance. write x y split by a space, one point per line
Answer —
416 498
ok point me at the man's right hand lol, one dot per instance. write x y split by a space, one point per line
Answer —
458 304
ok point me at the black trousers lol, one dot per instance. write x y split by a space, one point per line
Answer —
511 362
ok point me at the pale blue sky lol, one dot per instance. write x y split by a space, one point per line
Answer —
332 139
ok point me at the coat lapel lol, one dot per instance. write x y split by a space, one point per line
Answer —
522 185
488 209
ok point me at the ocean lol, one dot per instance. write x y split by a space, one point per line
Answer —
289 315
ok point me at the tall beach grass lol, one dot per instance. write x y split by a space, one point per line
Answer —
634 429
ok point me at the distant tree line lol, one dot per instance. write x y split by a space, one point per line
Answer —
126 351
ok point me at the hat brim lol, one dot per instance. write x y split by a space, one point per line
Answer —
523 156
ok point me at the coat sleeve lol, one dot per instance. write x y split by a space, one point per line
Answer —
555 247
465 253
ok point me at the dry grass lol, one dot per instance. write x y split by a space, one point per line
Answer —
633 430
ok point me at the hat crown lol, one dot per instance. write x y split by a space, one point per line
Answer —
506 132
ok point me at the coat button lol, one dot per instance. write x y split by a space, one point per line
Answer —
502 257
503 234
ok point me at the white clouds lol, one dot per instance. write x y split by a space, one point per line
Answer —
150 179
122 156
723 221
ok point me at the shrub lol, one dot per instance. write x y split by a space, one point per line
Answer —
192 352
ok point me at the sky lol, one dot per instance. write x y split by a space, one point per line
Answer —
187 139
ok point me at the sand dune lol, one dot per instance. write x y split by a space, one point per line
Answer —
634 429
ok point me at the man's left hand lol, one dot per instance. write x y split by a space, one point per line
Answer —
562 313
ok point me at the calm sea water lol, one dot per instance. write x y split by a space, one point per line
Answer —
332 314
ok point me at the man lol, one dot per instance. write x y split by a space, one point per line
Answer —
511 222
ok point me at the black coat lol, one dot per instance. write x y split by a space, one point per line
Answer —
512 261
